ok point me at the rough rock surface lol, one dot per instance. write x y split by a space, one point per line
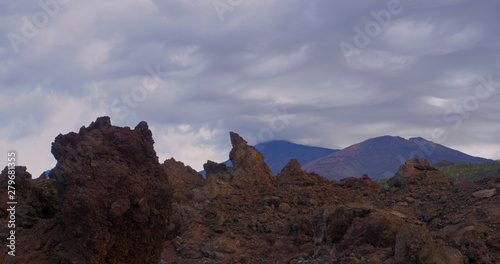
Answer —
416 170
218 171
292 173
249 166
112 204
303 218
182 178
245 214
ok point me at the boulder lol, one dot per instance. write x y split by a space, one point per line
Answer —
417 170
485 193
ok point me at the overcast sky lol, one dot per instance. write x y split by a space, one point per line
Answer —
316 72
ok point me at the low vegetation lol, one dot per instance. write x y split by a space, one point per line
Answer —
469 171
383 181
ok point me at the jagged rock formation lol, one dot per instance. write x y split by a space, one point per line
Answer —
303 218
37 199
292 173
218 171
181 178
241 214
249 166
381 236
416 169
113 200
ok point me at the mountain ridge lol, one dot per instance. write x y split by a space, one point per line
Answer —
278 153
380 157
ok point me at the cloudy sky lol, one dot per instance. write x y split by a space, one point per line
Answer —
317 72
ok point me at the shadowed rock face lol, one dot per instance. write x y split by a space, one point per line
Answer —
416 169
249 166
108 201
113 199
182 178
292 173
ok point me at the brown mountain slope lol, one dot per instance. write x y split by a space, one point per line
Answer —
380 157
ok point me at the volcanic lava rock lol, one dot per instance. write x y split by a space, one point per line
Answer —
36 199
182 179
113 200
379 236
108 201
363 183
485 193
250 170
114 195
416 170
292 173
218 171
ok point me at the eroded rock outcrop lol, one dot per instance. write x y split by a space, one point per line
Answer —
416 170
249 166
113 200
218 171
108 188
292 173
182 179
114 195
360 233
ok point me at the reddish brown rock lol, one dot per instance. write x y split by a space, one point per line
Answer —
364 183
113 200
182 179
36 199
292 173
485 193
218 171
330 225
250 170
114 195
415 244
242 214
417 170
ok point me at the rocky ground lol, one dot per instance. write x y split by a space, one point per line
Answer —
110 201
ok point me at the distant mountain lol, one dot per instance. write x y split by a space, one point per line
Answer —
278 153
380 157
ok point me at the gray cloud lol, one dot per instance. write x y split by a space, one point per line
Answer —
265 61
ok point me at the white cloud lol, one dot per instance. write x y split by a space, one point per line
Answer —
94 54
458 78
187 144
31 136
265 54
273 65
438 102
491 151
381 61
430 37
